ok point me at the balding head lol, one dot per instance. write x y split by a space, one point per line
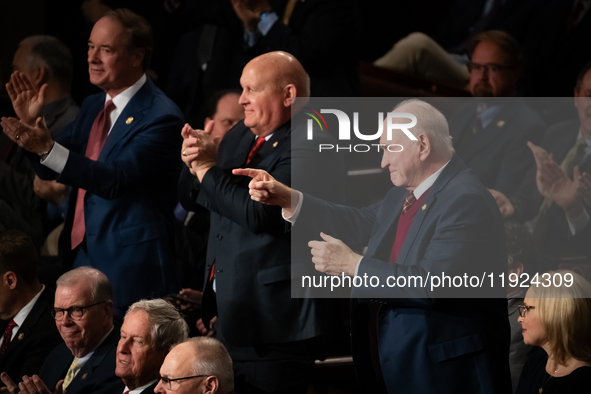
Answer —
270 84
204 358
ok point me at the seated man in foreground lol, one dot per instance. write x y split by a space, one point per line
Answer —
200 365
85 362
438 219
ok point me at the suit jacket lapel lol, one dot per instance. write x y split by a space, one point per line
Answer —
95 360
242 150
494 130
130 118
30 322
430 198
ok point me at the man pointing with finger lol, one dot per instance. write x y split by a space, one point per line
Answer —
273 339
438 218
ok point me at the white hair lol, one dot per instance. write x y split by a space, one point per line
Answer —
432 123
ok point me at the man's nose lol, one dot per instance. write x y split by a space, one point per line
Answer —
92 56
159 389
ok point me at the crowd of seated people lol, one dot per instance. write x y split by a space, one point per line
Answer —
128 196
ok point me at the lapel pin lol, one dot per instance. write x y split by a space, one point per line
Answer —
129 120
84 376
424 207
21 336
275 144
500 123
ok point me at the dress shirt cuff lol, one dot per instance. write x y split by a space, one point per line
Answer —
577 225
357 267
294 214
57 158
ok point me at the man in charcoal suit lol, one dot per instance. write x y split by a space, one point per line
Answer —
272 337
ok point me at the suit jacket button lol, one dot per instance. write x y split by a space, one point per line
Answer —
220 237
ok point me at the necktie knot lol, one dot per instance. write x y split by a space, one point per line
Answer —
7 336
408 202
74 367
255 149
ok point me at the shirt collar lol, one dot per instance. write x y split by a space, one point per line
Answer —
123 98
20 317
138 390
427 183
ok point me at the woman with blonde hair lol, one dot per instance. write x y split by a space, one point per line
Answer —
556 316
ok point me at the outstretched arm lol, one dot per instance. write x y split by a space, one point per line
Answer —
267 190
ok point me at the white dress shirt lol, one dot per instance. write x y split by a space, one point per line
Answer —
58 157
21 316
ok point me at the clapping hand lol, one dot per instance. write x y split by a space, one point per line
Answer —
28 102
554 184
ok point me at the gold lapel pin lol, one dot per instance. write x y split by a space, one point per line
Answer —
500 123
424 207
129 120
21 336
84 376
275 144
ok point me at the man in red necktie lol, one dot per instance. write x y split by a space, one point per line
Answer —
28 332
120 156
438 219
272 338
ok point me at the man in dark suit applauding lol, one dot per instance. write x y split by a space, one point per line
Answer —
272 337
120 156
28 330
85 362
438 219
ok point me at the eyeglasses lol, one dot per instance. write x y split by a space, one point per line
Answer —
491 68
75 312
523 309
168 382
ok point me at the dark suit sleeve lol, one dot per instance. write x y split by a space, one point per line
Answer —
228 195
352 225
461 237
151 154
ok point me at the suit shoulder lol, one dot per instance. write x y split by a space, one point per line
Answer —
165 105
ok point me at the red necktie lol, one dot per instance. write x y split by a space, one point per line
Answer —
255 149
408 202
7 336
96 140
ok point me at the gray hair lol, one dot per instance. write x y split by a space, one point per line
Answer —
168 326
430 122
100 288
54 55
212 358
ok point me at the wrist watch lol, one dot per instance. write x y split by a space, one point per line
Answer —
43 155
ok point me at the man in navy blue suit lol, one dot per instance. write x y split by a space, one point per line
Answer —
438 219
120 156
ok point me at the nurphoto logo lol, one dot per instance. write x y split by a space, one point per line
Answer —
345 129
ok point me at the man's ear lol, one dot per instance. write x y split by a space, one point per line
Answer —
424 147
290 94
138 57
39 76
10 280
211 385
